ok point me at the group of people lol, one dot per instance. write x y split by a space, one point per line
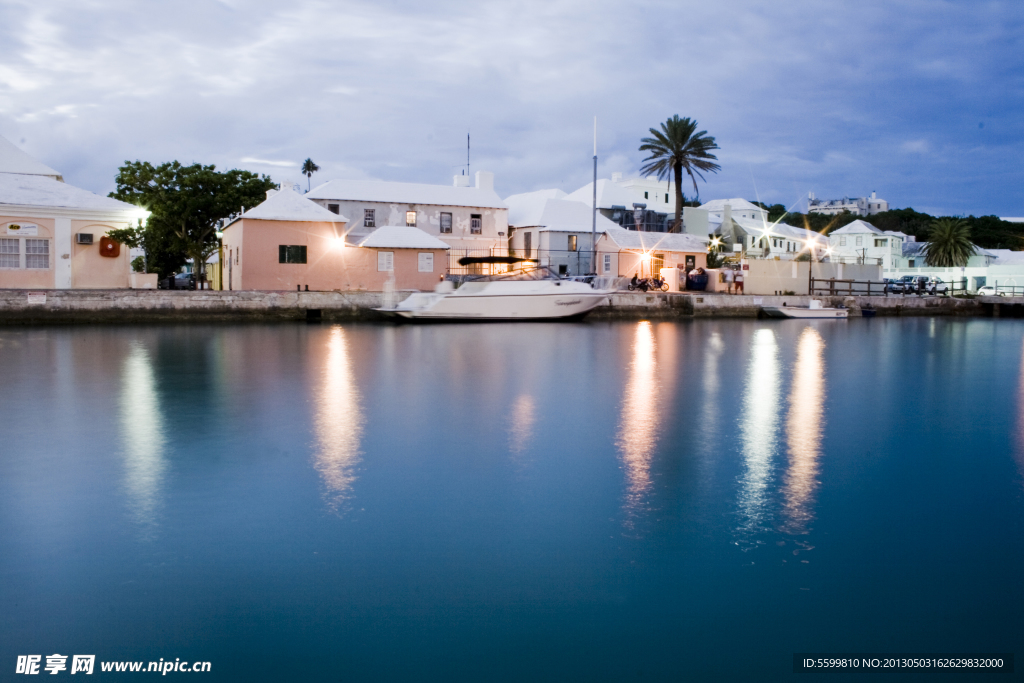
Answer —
733 280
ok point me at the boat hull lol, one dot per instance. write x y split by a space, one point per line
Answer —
497 301
805 313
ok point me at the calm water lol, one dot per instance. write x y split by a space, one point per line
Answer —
599 502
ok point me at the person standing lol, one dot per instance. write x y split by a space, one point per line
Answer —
739 280
728 279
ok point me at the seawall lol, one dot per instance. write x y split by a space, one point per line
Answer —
128 306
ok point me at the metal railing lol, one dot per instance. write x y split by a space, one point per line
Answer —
840 287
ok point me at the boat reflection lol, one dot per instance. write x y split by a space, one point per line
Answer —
804 426
143 435
758 430
638 424
338 421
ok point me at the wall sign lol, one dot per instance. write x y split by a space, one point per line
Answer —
23 229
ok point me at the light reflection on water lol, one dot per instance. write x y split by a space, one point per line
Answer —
338 419
804 426
143 435
521 420
758 431
638 423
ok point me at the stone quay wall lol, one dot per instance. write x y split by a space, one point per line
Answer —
131 306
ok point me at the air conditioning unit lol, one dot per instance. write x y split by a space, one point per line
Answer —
83 238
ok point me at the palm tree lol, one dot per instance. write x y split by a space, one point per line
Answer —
308 169
949 243
676 147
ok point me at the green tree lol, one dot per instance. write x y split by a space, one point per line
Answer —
675 148
949 243
308 169
186 203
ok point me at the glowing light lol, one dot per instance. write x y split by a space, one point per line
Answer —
143 433
758 428
638 424
804 426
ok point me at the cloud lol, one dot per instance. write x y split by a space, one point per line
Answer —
266 162
799 98
916 146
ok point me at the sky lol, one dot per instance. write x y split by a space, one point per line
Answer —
919 100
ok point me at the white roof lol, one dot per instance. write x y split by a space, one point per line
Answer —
555 215
401 237
609 194
13 160
406 193
1007 257
735 204
526 209
648 241
857 227
43 191
287 205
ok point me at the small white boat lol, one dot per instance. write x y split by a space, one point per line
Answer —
532 294
815 310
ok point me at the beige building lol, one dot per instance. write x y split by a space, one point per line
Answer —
53 235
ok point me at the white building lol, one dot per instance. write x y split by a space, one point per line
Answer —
861 242
472 220
860 206
553 229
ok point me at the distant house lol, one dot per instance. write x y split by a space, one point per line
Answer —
289 242
555 231
859 206
470 220
53 235
622 206
748 233
860 242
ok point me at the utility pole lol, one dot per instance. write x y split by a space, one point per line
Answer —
593 228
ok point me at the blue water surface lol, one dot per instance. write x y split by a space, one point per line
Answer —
649 501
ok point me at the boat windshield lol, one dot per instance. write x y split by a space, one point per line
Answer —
529 273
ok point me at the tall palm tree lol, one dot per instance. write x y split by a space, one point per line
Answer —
949 243
677 147
308 169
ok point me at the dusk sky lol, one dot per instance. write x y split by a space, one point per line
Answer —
922 101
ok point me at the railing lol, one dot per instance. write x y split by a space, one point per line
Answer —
1008 290
836 287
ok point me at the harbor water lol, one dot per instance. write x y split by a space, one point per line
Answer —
595 501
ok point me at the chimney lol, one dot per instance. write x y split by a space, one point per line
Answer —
462 180
727 228
617 177
810 195
271 193
485 181
873 194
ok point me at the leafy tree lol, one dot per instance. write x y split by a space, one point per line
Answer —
309 168
677 147
949 243
186 203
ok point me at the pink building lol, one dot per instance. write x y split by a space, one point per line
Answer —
52 235
289 242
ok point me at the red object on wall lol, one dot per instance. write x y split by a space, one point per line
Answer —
109 247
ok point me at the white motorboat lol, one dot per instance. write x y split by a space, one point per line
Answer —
531 294
815 310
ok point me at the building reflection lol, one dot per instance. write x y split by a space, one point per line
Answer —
338 419
638 424
804 426
143 434
758 429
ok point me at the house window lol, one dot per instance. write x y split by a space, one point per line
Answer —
10 253
446 223
37 253
860 241
476 224
528 244
410 219
911 263
385 261
657 263
645 195
238 255
572 242
291 253
666 197
880 243
425 262
842 241
369 218
607 263
334 208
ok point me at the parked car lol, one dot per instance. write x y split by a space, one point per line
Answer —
178 281
893 286
989 290
933 285
909 284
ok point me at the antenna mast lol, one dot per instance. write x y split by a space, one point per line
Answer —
467 154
